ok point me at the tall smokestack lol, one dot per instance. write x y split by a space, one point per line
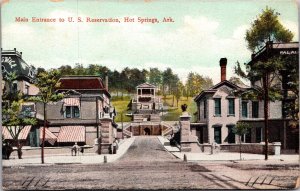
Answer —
223 63
106 82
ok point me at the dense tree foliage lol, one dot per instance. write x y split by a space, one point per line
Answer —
127 80
196 83
14 118
267 28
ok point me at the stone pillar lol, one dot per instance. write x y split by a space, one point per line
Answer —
185 132
106 136
277 147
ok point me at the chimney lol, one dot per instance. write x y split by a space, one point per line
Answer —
223 63
106 82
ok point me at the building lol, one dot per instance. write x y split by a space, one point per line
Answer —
12 62
281 128
218 111
84 114
77 117
220 108
146 99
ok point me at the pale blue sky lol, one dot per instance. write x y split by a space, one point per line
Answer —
203 32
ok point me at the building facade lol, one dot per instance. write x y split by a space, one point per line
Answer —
77 117
221 107
18 78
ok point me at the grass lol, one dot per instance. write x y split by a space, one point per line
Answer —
121 108
173 112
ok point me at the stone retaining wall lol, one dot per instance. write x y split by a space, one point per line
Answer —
256 148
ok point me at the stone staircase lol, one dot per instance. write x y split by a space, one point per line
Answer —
168 130
155 117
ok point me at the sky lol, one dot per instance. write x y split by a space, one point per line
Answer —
203 31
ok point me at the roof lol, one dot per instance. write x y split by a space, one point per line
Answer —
290 48
215 88
146 85
22 135
202 93
71 134
12 61
79 83
227 83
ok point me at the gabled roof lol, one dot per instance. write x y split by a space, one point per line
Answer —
227 83
215 88
146 85
204 92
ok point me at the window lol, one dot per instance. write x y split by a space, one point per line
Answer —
204 108
218 106
217 134
26 90
248 136
258 134
231 135
231 106
72 112
14 87
244 109
255 106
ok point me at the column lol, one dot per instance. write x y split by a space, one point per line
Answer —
185 132
106 136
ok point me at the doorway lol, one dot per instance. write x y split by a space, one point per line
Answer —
146 131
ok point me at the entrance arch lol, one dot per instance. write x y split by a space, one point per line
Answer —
147 131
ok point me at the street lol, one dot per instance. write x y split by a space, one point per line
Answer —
147 165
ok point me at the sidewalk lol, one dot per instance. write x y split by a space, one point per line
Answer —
227 156
89 158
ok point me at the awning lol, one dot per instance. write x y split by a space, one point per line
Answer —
71 102
22 135
71 134
49 136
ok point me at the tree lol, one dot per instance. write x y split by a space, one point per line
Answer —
267 28
237 81
15 120
13 117
179 90
263 31
47 82
155 76
167 76
196 83
241 129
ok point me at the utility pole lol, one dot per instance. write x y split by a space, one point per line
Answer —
122 125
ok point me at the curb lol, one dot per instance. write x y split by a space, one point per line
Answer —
167 149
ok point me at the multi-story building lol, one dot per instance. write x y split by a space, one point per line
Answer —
77 117
281 126
220 108
23 82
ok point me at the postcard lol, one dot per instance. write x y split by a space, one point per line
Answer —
149 94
